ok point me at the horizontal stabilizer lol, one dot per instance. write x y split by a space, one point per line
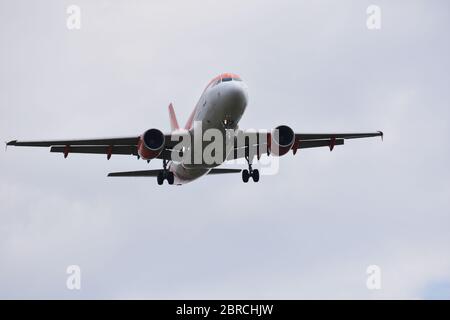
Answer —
222 171
154 173
142 173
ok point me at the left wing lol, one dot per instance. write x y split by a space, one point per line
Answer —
107 146
89 142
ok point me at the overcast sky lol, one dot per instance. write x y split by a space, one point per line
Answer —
308 232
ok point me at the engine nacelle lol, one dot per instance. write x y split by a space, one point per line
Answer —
282 139
151 144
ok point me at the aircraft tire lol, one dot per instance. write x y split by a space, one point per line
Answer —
245 176
170 178
160 178
255 175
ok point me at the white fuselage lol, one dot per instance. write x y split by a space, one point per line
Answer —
221 106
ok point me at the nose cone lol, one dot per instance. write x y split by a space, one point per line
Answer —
234 95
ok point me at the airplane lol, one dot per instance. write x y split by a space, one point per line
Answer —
219 108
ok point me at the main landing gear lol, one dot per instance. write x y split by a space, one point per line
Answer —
165 175
246 174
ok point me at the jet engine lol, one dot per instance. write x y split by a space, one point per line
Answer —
281 141
151 144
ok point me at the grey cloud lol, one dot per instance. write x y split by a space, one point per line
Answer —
308 232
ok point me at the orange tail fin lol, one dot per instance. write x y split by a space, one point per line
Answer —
173 118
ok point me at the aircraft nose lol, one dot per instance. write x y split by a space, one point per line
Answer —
235 95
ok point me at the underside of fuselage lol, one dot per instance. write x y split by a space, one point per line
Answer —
220 107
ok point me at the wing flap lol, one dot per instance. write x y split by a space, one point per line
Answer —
126 150
319 143
241 152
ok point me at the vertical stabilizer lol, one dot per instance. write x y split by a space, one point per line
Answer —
173 118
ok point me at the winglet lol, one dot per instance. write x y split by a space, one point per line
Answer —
381 135
10 143
173 118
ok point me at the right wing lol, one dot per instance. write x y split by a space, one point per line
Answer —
304 141
328 136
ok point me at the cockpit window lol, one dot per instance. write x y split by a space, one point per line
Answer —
225 79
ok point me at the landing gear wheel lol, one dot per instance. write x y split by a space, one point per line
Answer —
165 174
170 177
245 175
160 178
255 175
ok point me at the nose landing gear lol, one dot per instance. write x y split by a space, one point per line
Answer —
253 173
165 174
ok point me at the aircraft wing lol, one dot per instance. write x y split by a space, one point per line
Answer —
106 146
128 145
329 136
308 140
89 142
